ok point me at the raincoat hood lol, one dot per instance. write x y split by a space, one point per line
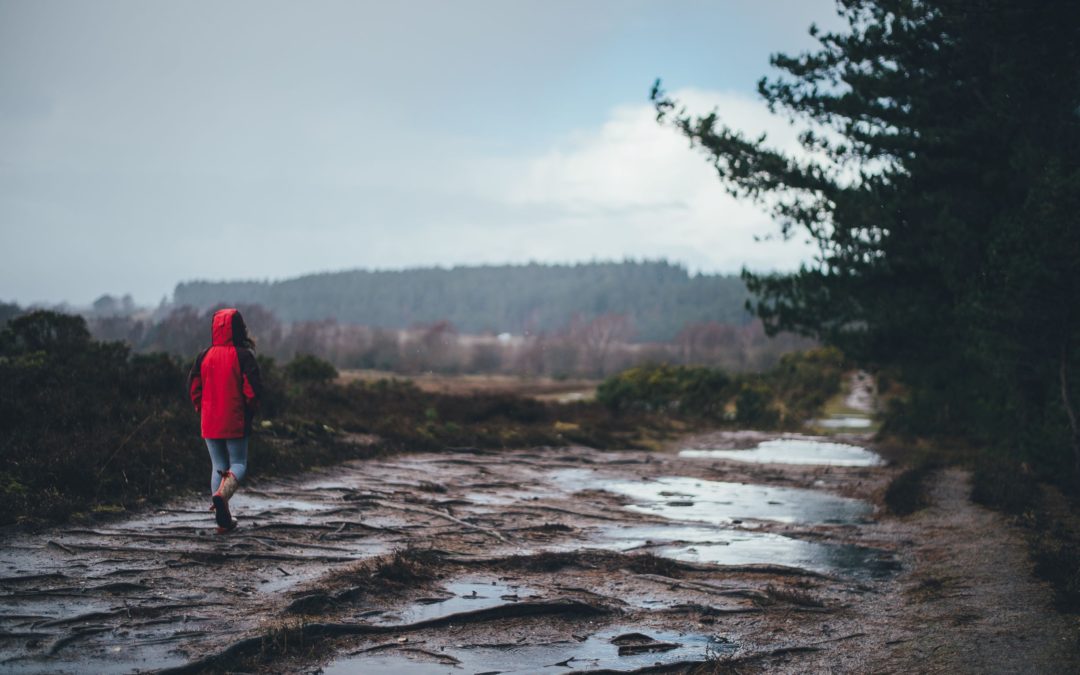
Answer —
221 329
224 383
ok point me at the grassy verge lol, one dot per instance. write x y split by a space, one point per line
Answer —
1051 521
1004 485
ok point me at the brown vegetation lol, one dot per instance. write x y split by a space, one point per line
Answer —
583 348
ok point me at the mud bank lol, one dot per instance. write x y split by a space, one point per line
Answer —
563 559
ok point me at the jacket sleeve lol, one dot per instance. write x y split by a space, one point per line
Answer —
194 382
249 370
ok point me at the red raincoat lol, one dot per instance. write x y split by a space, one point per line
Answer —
224 383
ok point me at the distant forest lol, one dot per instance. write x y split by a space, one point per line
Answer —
658 298
564 320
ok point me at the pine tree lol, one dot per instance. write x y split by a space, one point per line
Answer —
941 184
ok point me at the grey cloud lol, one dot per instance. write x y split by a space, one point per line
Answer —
132 133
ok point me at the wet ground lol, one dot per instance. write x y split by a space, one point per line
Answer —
736 550
161 590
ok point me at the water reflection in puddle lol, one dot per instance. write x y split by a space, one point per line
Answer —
595 652
249 503
681 498
849 422
794 451
496 498
737 547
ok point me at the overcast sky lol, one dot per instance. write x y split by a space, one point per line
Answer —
144 143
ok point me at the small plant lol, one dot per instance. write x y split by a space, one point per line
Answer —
429 486
792 596
408 566
647 563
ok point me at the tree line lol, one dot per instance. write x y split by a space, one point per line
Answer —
657 297
583 348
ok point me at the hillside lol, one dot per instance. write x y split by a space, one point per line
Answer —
659 297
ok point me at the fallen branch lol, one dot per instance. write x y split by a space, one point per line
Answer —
68 639
62 547
445 516
123 611
585 591
748 593
579 514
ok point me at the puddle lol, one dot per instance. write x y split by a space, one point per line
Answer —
737 547
598 651
519 494
391 665
136 594
844 423
722 503
794 451
249 503
460 596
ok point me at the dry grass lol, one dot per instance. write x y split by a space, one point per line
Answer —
793 596
544 388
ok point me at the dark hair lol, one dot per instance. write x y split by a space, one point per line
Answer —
240 335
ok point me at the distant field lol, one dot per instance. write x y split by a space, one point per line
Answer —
541 388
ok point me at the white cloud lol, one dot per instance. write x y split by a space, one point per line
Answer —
635 188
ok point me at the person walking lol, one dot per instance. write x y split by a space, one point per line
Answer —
225 387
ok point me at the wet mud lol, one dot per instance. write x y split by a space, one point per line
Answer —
541 560
161 590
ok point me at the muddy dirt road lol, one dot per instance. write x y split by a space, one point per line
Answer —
743 551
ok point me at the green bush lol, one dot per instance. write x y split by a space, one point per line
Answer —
87 427
804 381
309 369
753 406
789 394
694 391
84 422
274 396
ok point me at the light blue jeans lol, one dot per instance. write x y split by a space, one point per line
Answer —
227 454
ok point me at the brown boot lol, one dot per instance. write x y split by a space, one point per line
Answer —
225 491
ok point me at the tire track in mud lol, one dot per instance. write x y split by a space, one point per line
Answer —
160 591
